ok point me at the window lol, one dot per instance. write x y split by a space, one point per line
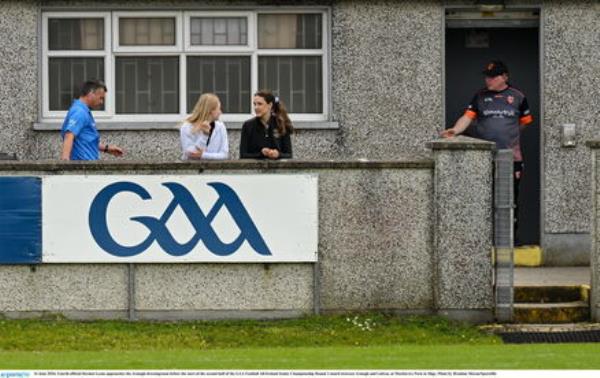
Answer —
146 31
226 76
66 74
289 31
75 49
147 84
219 31
156 64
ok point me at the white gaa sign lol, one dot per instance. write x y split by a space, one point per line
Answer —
225 218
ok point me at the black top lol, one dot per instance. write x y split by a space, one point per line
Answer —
255 137
499 116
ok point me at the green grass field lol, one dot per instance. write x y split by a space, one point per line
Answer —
371 341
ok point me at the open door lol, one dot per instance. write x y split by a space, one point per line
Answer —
474 38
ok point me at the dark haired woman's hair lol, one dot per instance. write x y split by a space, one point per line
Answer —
284 125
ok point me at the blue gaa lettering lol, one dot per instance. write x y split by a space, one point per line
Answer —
158 230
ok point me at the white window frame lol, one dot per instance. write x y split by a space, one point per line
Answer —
233 117
182 49
152 117
299 52
47 54
250 22
146 48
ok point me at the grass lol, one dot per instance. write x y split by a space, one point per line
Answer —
365 330
439 357
371 341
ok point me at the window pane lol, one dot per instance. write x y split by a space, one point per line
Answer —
296 79
147 31
227 77
147 85
66 76
225 31
289 31
76 34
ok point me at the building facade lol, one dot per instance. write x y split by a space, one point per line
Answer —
374 80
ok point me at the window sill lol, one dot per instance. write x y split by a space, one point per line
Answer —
140 126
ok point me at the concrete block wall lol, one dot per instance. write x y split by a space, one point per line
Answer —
382 246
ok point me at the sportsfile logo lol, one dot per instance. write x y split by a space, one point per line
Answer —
201 222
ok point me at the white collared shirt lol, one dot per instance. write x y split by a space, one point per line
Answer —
218 146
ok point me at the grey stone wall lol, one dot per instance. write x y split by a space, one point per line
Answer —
222 290
463 243
18 75
63 288
387 76
374 255
164 145
375 252
571 82
393 235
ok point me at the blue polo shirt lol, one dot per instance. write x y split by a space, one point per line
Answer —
80 122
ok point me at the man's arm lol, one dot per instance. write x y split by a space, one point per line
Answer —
525 117
459 127
67 146
111 149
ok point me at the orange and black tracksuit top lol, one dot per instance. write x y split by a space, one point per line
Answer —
499 116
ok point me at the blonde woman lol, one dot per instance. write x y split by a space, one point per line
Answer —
203 136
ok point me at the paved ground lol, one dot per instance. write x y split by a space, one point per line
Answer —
550 276
547 276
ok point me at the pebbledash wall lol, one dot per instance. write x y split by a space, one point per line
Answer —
386 94
391 236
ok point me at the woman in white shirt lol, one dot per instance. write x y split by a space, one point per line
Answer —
203 136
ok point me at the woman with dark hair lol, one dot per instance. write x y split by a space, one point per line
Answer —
267 136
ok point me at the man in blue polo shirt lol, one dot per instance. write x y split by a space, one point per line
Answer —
81 140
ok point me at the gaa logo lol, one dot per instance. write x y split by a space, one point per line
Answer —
159 232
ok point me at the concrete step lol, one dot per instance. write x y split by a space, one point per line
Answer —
551 313
551 294
553 276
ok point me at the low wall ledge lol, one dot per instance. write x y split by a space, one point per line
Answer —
174 126
461 143
60 166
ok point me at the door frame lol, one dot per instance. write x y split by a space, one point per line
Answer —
541 26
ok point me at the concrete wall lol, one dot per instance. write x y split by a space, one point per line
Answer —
464 228
392 236
571 82
371 254
19 76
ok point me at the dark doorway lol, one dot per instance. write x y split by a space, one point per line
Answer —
468 49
